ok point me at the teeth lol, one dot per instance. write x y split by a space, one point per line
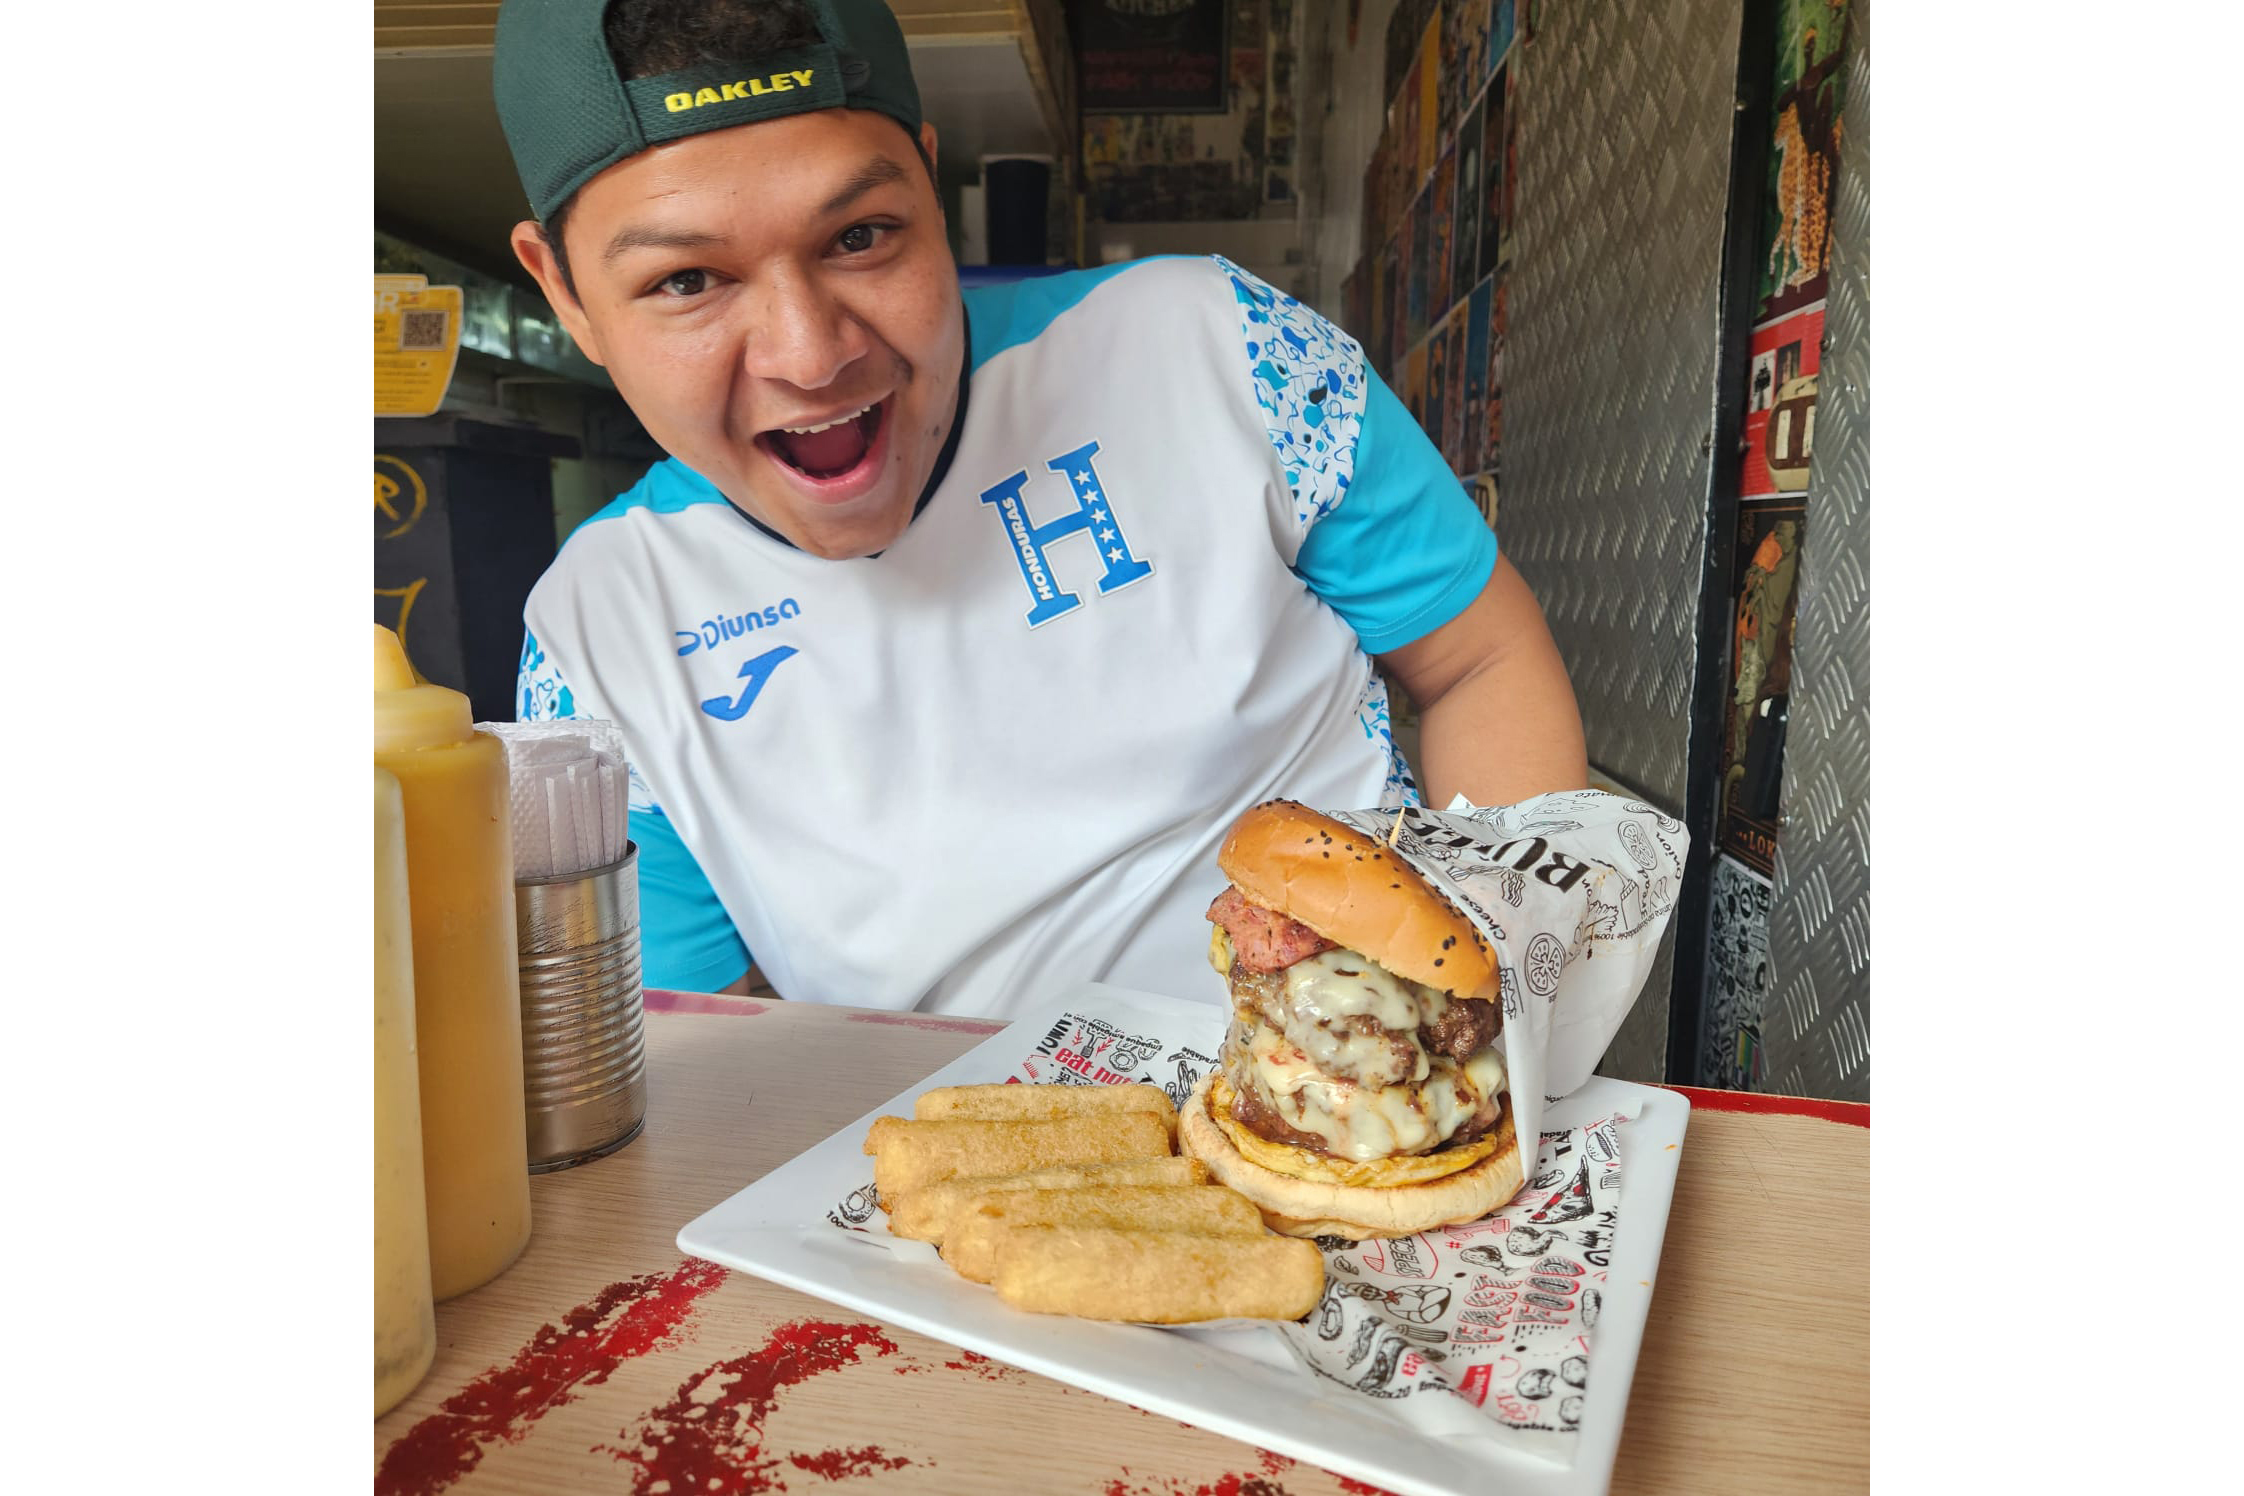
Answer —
830 425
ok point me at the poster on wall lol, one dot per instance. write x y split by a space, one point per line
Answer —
1419 303
1398 330
1794 266
1492 172
1499 33
1453 410
1465 262
1437 384
1402 124
1473 439
1405 25
1464 55
1747 807
1492 427
1429 93
1780 394
1135 58
1738 976
1440 245
1414 384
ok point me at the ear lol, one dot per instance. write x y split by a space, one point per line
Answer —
927 143
536 255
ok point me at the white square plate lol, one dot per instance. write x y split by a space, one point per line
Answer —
1242 1383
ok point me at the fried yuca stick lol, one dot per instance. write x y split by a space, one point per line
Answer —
970 1246
1027 1103
878 1133
1156 1277
925 1213
918 1153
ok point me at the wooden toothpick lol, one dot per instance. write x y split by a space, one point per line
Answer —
1400 812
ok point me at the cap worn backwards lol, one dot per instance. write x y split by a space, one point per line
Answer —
569 114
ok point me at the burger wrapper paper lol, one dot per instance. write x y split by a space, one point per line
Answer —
1494 1320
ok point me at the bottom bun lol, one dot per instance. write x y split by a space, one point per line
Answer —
1309 1207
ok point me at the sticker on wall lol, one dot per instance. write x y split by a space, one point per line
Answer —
1748 805
1429 99
1499 34
1738 977
1780 391
1464 55
416 344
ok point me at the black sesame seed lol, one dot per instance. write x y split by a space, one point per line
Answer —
1437 960
1447 943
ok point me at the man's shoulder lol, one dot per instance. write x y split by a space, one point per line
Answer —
1009 314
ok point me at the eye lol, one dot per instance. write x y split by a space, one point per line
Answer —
684 283
859 237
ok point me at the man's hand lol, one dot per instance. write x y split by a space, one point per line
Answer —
1497 720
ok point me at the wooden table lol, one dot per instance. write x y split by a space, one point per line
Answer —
604 1361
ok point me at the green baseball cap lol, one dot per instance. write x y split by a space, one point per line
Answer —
570 115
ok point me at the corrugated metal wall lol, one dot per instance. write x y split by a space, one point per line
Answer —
1818 1041
1625 143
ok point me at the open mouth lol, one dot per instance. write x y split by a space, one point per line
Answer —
831 451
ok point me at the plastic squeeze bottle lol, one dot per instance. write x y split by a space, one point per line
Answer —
459 858
404 1321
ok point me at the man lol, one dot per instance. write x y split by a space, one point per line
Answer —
955 631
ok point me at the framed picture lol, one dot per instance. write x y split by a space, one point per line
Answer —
1133 58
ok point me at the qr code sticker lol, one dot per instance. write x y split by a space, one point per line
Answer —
422 332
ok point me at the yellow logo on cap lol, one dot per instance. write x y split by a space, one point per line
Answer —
753 88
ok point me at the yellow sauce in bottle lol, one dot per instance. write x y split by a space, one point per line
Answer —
467 1009
404 1319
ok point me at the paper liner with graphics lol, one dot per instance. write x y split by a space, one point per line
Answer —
1574 890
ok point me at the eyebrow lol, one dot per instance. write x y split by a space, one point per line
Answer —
643 236
878 172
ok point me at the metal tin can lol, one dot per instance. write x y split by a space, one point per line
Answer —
584 1049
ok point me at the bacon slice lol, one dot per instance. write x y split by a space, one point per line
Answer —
1263 939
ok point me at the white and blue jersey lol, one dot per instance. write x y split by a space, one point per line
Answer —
1181 514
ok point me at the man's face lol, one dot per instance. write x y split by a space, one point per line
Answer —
747 286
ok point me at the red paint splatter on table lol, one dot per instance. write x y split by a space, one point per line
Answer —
842 1464
930 1021
708 1438
986 1369
623 1320
662 1000
1229 1484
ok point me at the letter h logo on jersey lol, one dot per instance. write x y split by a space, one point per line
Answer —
1093 516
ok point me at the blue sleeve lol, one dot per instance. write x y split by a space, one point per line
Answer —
686 939
1405 550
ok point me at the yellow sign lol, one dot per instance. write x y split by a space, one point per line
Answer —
416 344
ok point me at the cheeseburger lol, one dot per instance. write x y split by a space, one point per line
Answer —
1360 1092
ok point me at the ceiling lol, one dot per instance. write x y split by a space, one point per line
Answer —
442 176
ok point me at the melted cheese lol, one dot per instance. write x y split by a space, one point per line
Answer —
1331 987
1219 951
1365 1123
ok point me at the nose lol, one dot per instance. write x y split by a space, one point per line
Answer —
801 335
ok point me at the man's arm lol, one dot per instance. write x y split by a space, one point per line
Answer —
1497 719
